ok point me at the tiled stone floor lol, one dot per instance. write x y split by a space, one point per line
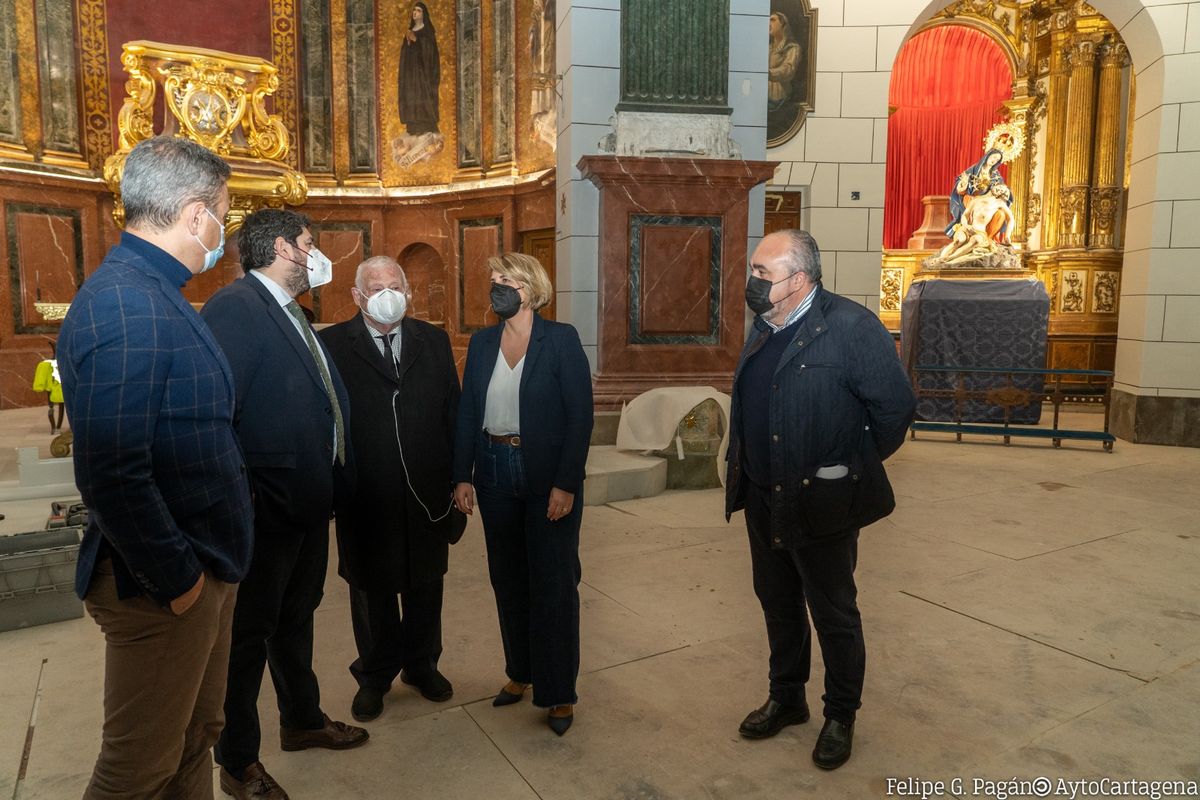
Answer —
1028 611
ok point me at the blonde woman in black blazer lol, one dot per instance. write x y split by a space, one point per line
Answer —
521 446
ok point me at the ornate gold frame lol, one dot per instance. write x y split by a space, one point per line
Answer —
218 100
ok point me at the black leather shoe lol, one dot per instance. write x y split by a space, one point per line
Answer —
432 685
833 745
368 704
772 717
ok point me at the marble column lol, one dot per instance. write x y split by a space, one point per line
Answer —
316 123
360 84
1077 158
504 86
674 80
470 80
675 56
589 61
10 88
1106 191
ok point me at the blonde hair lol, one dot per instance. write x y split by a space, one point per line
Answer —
527 271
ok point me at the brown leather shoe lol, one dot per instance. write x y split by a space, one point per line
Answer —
255 784
333 736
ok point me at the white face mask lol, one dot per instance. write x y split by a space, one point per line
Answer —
387 306
320 269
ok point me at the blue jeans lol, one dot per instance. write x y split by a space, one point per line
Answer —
534 567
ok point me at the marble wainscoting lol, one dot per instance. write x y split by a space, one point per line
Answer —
672 251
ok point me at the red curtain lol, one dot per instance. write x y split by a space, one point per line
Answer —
948 84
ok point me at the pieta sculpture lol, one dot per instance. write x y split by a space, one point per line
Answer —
981 208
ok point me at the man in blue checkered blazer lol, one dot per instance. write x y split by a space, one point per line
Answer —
150 397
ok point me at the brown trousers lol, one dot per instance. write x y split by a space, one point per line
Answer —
164 690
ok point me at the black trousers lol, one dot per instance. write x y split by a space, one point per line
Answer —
817 578
273 626
535 572
388 642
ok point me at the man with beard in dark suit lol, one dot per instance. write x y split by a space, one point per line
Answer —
393 533
291 412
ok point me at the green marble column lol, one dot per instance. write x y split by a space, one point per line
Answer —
10 89
675 56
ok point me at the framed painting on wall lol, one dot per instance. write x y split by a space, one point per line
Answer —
791 68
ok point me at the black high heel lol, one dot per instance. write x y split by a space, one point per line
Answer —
507 698
560 723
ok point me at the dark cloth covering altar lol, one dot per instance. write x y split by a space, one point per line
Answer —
994 324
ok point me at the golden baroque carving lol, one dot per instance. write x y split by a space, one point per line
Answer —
208 102
52 312
1072 213
988 10
218 100
1104 292
1073 282
135 120
890 283
1000 19
283 54
1033 214
1114 54
1084 50
93 57
1105 204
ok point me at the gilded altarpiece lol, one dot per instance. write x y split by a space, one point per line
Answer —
1071 95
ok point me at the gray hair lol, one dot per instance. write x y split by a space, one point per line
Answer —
803 255
380 262
163 174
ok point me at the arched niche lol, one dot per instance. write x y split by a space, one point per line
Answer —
426 273
938 119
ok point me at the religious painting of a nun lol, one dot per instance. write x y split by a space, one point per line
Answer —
791 62
420 79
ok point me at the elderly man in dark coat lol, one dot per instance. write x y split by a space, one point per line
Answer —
393 534
819 401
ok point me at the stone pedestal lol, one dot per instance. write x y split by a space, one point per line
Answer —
932 233
672 271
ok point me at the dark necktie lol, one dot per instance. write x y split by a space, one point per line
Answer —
389 354
311 340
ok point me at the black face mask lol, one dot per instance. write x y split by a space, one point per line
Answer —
758 293
506 301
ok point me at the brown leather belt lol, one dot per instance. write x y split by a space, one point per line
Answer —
512 440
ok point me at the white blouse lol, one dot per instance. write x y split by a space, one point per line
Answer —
502 409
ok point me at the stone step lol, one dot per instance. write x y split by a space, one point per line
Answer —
615 475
